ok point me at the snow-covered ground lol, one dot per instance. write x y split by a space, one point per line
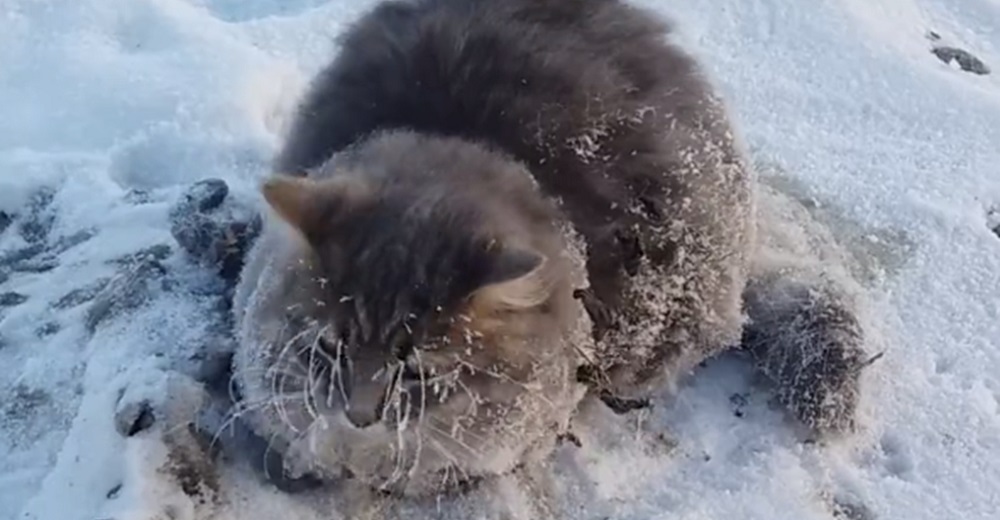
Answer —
111 108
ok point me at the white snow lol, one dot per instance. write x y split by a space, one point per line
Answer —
843 97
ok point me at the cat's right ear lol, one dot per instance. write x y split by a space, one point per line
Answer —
516 280
310 205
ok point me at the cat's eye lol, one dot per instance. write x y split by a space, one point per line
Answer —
402 344
331 346
404 349
409 374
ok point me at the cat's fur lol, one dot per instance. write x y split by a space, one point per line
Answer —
405 178
413 305
610 119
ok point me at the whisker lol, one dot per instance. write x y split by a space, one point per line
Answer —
239 410
280 407
421 412
307 389
267 451
279 388
455 465
473 397
401 415
441 424
458 442
508 379
339 376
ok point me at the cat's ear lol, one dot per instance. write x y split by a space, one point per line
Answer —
515 279
292 198
311 205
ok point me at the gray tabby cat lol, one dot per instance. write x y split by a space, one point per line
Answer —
459 184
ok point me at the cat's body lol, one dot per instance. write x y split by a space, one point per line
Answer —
437 112
609 118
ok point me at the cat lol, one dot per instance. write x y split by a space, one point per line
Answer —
611 120
486 209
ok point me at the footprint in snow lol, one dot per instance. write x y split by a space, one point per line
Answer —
897 456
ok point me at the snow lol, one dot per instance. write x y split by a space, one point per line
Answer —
842 97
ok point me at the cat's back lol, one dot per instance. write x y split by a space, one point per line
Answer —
529 76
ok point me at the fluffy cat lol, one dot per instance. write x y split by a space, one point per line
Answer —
412 314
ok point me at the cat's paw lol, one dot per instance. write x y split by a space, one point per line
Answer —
809 341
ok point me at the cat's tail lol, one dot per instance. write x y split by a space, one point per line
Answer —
805 326
806 337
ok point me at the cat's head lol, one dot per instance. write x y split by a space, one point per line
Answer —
444 306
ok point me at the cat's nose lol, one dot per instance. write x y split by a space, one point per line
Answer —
362 417
366 396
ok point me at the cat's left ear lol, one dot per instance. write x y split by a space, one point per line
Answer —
516 279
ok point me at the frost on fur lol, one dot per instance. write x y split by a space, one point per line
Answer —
809 342
804 306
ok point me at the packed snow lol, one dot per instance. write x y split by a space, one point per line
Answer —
113 108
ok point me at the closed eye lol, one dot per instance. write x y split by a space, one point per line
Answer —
409 374
402 345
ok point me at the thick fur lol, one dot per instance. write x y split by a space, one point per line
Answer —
408 316
610 119
416 146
